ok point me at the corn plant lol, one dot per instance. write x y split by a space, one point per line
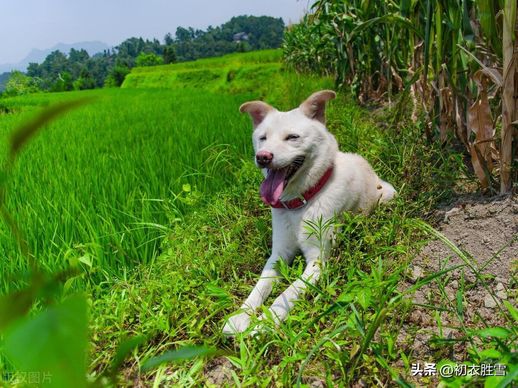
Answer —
448 55
510 91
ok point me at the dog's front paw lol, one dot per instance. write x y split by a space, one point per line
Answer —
237 324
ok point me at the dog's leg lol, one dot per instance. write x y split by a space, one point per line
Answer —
282 248
316 252
284 302
240 322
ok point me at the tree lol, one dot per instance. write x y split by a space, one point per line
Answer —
150 59
85 81
33 70
99 67
183 34
168 39
55 63
19 84
169 54
4 77
78 56
77 60
117 76
63 83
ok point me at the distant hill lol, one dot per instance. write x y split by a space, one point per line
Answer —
69 67
38 56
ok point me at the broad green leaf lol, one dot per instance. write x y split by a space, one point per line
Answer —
487 17
427 37
404 7
496 332
364 297
503 381
490 353
123 350
86 259
512 310
345 297
53 343
15 305
68 284
390 19
185 353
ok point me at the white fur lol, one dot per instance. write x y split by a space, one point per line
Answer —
353 186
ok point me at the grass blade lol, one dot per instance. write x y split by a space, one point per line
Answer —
184 353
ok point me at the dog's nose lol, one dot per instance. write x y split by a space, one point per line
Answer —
263 158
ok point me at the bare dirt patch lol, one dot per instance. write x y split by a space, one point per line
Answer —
486 229
218 372
444 310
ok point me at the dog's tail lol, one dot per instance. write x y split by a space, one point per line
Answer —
387 191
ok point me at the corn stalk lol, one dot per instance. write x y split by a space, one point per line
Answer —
447 54
509 93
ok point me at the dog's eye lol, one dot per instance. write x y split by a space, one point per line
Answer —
262 138
292 137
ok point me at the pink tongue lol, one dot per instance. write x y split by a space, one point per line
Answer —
272 186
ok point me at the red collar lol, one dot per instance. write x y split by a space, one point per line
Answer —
301 200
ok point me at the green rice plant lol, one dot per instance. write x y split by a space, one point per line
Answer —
52 342
105 190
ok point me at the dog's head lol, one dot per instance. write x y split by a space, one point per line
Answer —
293 148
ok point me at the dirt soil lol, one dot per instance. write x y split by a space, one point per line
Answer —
218 372
486 229
483 228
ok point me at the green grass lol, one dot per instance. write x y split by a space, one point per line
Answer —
104 184
104 181
151 191
255 72
236 60
213 259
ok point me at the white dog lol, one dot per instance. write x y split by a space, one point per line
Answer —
307 179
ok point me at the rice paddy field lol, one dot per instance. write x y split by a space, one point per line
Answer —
150 193
105 183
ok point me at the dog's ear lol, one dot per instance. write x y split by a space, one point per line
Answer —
257 111
315 106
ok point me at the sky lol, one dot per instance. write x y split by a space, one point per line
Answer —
28 24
